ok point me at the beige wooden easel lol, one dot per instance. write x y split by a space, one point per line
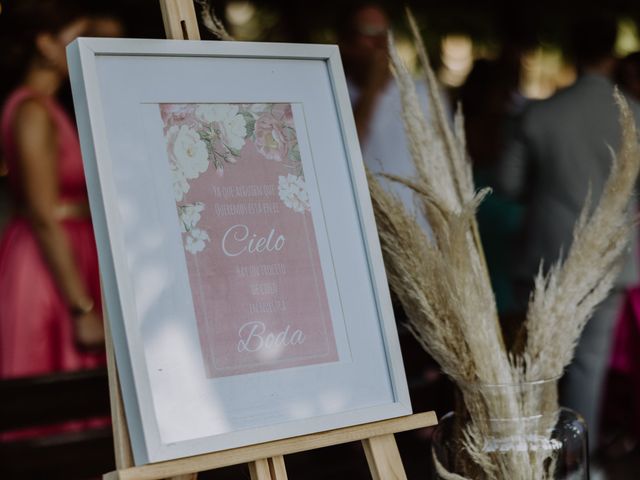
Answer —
266 460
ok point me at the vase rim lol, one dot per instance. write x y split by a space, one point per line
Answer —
479 385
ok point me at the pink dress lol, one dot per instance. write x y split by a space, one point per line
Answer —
625 356
36 329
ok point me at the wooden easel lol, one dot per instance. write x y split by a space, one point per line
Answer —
266 460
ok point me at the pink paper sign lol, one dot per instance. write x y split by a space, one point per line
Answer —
244 211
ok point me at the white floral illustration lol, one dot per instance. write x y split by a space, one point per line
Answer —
199 135
188 152
190 216
194 242
195 238
214 112
180 184
232 125
293 192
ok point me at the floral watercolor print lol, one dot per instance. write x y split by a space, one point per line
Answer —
245 217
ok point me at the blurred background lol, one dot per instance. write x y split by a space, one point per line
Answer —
518 51
457 32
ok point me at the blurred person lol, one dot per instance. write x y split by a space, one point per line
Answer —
377 108
101 23
559 153
487 99
492 104
50 312
628 75
375 99
621 427
5 204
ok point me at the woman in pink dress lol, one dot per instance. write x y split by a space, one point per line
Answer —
50 316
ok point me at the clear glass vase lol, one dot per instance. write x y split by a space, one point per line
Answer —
520 434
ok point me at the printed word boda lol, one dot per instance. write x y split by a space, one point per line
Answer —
238 240
255 338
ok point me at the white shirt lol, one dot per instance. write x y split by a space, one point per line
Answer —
385 149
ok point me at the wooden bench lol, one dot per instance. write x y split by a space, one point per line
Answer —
36 402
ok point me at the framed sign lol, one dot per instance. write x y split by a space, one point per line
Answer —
241 269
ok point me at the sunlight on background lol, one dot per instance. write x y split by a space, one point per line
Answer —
407 52
240 13
628 40
545 69
248 22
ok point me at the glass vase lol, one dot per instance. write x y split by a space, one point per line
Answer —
520 434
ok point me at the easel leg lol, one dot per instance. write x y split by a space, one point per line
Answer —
259 470
383 458
122 445
277 468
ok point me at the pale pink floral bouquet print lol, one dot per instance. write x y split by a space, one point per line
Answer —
203 136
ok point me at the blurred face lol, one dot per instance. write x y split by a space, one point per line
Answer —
106 27
365 53
52 46
371 25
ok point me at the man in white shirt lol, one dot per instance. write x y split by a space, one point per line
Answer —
376 102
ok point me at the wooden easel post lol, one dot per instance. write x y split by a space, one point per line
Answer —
180 21
266 461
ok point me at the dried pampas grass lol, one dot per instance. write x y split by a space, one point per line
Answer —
443 283
211 21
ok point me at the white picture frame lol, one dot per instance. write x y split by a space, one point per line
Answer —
123 91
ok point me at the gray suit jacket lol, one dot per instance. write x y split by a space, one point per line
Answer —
562 148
